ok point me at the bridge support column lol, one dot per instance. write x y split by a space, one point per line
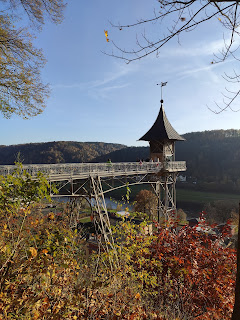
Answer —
165 191
101 220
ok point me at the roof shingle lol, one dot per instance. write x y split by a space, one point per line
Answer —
161 130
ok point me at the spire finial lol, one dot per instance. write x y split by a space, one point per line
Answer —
162 84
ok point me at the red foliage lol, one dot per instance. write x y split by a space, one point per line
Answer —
194 272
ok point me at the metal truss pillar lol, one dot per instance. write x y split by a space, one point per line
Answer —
165 190
101 220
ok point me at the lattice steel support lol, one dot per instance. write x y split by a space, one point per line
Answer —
165 190
102 222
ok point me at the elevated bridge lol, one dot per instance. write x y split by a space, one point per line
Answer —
68 171
93 180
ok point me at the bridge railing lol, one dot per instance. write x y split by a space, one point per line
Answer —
175 166
84 169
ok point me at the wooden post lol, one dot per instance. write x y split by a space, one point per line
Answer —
236 309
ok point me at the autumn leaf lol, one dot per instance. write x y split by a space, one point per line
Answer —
45 251
33 252
106 35
51 216
137 296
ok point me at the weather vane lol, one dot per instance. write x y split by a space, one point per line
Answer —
162 84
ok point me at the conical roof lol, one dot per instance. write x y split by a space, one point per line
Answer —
161 130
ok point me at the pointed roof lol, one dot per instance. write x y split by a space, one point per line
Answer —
161 129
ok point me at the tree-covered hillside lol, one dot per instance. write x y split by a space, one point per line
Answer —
56 152
128 154
212 157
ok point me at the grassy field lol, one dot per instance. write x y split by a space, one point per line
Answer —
204 197
85 220
185 195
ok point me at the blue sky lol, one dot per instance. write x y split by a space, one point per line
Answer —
100 98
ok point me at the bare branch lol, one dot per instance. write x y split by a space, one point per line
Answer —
186 16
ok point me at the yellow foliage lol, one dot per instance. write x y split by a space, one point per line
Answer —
21 89
51 216
33 252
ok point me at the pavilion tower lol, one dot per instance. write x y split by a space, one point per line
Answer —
162 137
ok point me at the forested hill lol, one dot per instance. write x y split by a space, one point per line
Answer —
56 152
213 159
128 154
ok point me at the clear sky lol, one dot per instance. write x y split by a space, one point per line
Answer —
100 98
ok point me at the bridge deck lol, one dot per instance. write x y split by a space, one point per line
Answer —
58 172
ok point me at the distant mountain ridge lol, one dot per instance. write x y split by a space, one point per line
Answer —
56 152
127 154
213 157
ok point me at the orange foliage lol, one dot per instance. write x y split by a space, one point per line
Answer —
190 270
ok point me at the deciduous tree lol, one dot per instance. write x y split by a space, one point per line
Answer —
22 91
146 202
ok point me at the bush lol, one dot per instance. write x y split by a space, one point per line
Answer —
186 273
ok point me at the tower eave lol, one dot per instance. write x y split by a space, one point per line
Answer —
161 130
143 138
